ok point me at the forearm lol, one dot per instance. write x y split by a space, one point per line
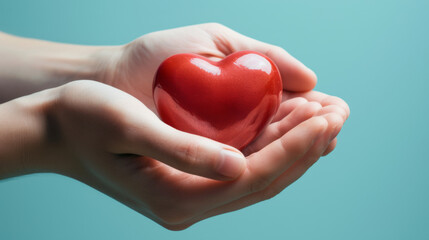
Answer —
24 134
30 65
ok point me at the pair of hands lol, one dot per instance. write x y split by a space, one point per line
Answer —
109 137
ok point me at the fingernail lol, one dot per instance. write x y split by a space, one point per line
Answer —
231 164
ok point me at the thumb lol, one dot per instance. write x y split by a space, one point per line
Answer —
190 153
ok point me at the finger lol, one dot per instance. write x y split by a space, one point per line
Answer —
263 167
186 152
333 109
275 158
322 98
300 167
287 107
295 75
331 147
278 129
286 178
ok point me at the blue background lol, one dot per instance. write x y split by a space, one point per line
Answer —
374 54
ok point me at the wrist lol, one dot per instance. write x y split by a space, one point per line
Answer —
78 62
30 65
27 136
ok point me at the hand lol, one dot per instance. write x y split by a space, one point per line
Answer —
110 141
132 67
297 107
304 129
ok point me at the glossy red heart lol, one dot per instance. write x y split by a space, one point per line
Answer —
230 101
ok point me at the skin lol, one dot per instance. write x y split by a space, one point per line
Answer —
105 131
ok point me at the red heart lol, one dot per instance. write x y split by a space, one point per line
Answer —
230 101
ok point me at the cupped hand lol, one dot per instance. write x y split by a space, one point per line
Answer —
132 67
111 140
304 129
95 121
118 146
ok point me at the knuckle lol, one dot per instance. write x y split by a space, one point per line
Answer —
334 100
301 100
334 109
293 148
313 106
294 102
278 129
189 154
